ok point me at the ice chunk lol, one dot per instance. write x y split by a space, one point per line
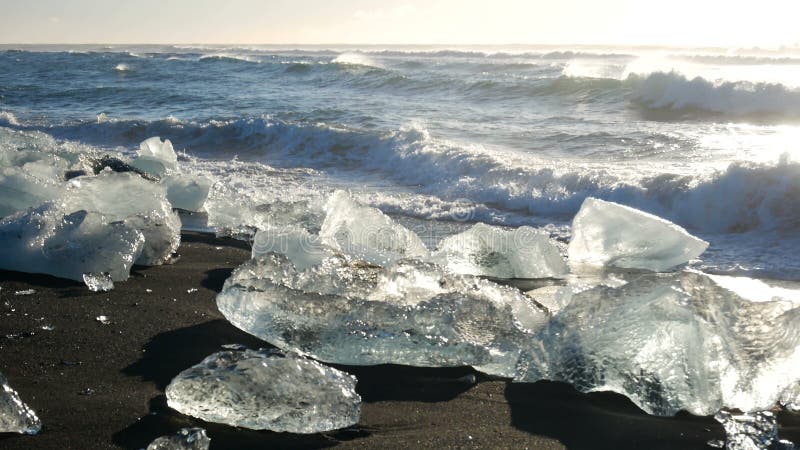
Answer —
366 233
16 416
491 251
411 313
670 342
266 390
44 240
187 192
136 202
754 431
303 248
19 190
185 439
98 282
609 234
156 157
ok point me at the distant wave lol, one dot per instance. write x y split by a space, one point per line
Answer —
356 59
674 92
228 57
741 198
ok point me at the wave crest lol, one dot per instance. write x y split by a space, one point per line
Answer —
671 91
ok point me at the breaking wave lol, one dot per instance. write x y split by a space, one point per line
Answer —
743 197
674 92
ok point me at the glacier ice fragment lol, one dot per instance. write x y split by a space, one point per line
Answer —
754 431
187 192
16 416
138 203
670 342
410 313
44 240
98 282
185 439
266 390
485 250
156 157
366 233
303 248
609 234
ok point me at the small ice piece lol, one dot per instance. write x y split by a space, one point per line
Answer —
25 292
48 327
485 250
609 234
266 390
103 319
754 431
185 439
98 282
191 290
149 291
670 342
156 157
411 313
16 416
366 233
187 192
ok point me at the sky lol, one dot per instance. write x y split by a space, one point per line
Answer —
730 23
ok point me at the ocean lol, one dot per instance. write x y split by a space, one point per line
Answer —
442 137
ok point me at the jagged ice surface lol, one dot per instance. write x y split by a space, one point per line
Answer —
45 240
366 233
185 439
609 234
491 251
671 342
16 416
410 313
266 390
755 431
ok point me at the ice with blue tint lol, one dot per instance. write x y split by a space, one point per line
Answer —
366 233
670 342
156 157
609 234
266 390
185 439
411 313
491 251
46 240
16 416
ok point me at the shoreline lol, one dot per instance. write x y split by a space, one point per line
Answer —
101 386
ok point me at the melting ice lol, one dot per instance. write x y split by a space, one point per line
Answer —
185 439
16 416
266 390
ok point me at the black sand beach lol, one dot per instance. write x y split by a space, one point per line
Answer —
102 386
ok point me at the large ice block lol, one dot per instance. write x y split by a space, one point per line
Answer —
138 203
491 251
670 342
411 313
366 233
45 240
609 234
266 390
16 416
303 248
20 190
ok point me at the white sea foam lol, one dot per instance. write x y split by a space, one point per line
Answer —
7 118
357 59
122 67
674 91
